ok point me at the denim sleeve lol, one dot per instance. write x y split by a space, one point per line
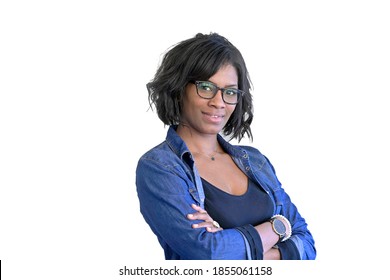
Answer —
165 195
301 243
253 239
288 251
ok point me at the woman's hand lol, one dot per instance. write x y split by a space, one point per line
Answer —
201 214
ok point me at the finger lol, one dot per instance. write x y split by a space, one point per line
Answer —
198 208
203 225
210 227
213 229
200 216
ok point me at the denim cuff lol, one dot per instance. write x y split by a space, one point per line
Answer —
254 240
288 250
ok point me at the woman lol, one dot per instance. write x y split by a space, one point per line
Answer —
203 197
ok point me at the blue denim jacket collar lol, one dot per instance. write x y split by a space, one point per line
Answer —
179 147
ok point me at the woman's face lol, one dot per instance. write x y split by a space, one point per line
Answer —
209 116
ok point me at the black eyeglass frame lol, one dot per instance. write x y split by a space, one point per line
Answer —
240 93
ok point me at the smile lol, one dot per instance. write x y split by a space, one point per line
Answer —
214 116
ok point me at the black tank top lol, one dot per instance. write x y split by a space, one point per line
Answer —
253 207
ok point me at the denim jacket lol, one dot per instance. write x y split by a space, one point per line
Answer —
168 183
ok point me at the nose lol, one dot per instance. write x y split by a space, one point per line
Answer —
217 100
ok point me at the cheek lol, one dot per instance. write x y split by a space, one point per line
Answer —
187 108
185 103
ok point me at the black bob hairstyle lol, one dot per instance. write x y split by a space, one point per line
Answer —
199 58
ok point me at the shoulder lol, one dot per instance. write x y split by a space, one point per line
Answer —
160 158
160 154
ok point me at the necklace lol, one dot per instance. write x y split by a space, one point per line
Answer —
212 156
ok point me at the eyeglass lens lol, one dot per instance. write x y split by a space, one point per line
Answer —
208 90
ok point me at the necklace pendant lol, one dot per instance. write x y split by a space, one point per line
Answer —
212 158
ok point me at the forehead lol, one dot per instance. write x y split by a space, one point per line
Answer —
225 76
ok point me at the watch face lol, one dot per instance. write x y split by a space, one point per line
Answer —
279 227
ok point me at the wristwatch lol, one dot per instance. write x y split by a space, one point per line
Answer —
278 227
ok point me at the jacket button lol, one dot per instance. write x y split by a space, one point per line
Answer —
247 168
245 156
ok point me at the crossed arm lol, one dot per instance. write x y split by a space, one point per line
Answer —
268 237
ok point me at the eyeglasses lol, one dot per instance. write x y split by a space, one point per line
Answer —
208 90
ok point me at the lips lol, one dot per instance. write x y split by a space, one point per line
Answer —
213 117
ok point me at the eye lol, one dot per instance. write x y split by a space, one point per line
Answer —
231 91
206 86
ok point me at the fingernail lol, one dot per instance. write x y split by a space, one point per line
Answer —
190 215
195 225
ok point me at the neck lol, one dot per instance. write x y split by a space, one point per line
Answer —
206 144
203 149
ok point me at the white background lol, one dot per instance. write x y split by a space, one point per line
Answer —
74 120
